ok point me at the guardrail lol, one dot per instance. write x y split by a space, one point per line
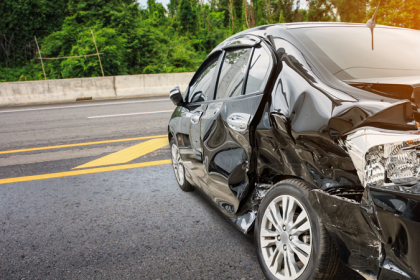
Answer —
50 91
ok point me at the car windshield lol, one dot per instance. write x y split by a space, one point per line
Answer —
347 51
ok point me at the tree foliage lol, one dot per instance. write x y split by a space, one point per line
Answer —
156 39
351 10
320 10
20 21
400 13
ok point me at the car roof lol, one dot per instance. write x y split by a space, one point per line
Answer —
296 25
285 30
318 24
282 28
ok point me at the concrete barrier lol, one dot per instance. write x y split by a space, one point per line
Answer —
150 85
50 91
55 90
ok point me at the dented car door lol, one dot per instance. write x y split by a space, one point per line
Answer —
227 125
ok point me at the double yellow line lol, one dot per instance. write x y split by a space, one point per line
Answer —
119 157
81 144
82 172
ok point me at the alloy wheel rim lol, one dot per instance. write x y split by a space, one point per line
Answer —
177 165
286 239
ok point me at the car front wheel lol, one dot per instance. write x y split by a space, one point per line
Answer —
179 168
291 241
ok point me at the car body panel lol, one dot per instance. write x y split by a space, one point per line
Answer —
296 131
227 152
398 215
356 242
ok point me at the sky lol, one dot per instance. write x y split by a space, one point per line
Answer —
303 3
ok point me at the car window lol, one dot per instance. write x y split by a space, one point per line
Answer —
199 90
347 51
258 69
232 73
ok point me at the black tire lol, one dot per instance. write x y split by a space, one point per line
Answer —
185 185
323 262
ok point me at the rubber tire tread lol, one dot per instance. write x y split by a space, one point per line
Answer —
329 262
328 265
186 187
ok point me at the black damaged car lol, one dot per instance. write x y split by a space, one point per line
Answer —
307 136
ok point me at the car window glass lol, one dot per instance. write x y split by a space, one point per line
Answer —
233 72
347 51
258 70
199 90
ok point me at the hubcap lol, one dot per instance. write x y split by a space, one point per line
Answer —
286 239
177 165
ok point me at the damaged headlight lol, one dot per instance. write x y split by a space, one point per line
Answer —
393 163
383 158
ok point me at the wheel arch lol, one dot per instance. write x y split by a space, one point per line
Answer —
328 247
279 178
283 177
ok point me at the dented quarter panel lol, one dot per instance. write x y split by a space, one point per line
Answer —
356 243
306 117
398 215
297 140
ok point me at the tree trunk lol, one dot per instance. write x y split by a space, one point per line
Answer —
231 15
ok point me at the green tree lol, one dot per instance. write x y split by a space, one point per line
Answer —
223 6
320 10
237 7
401 13
173 7
20 20
113 58
187 16
153 39
351 10
286 8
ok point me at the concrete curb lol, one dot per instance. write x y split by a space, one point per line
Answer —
68 90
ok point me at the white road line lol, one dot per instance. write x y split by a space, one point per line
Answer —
132 114
90 105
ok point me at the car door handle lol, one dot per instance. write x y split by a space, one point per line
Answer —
195 117
238 121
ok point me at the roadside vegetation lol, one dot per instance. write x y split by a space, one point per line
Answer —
153 39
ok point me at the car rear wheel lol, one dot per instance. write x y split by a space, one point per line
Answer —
179 168
291 241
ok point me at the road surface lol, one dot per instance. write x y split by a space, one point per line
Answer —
76 204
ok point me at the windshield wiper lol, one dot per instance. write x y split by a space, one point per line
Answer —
372 22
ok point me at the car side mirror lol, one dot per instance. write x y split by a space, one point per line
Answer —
176 96
198 97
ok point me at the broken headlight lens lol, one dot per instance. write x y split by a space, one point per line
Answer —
397 163
385 158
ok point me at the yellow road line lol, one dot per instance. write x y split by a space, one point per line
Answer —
83 172
81 144
128 154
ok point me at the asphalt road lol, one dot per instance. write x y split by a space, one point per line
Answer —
131 222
